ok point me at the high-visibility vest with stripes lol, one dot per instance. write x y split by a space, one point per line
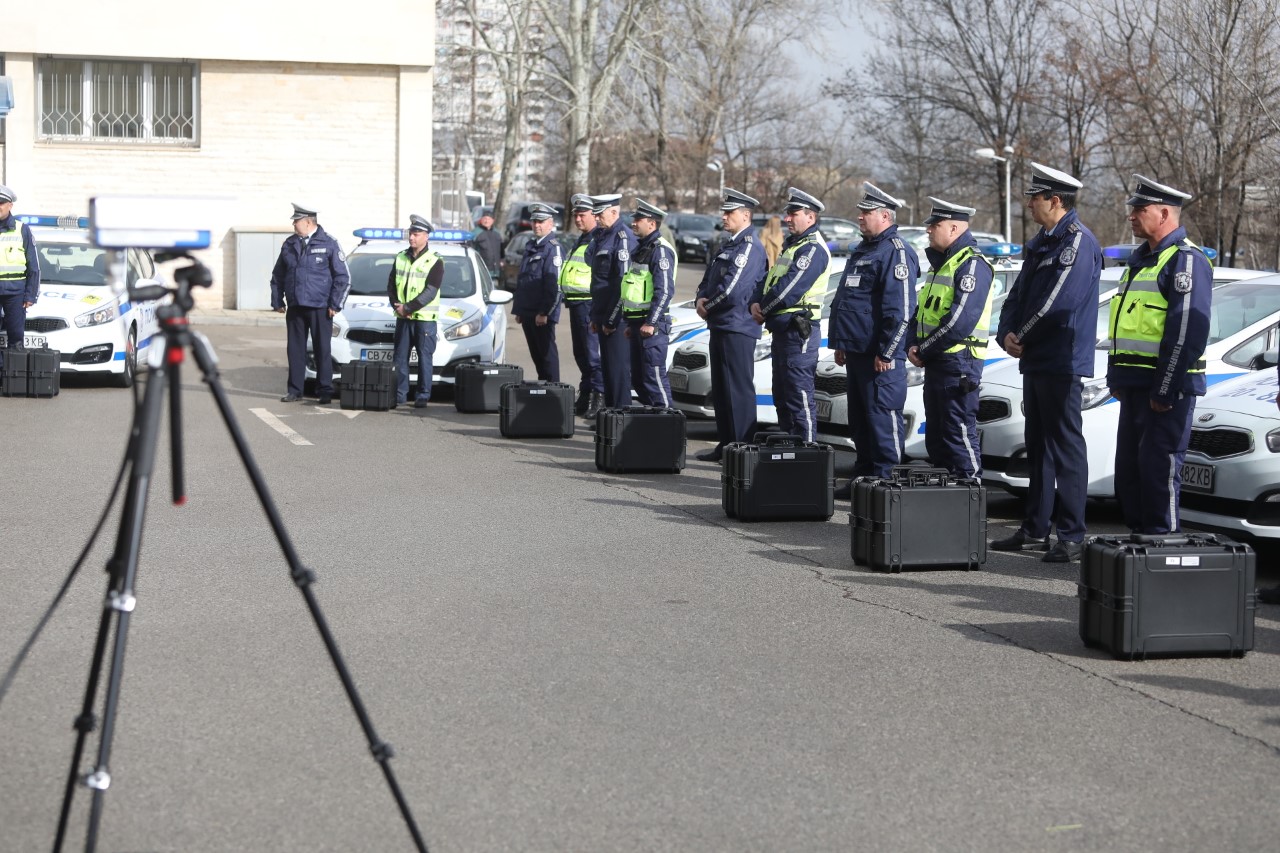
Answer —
812 299
1138 313
637 282
937 297
575 276
13 255
411 279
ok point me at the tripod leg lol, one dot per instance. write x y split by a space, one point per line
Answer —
303 578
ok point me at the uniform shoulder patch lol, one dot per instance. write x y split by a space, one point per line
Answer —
900 272
342 255
802 262
623 254
968 283
1068 256
898 244
740 261
1182 282
557 260
1073 227
664 263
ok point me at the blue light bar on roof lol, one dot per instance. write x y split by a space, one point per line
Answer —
1119 253
1001 250
452 236
1211 254
438 236
45 221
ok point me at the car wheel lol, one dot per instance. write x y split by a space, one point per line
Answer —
125 379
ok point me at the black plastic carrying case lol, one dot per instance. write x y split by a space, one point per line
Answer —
640 438
478 385
778 478
367 386
918 518
536 410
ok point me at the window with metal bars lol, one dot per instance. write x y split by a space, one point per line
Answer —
84 100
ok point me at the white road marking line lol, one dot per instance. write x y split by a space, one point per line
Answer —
278 425
347 413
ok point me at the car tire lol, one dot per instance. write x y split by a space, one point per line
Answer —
126 376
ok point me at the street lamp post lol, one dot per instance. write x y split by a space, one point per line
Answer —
718 167
1007 159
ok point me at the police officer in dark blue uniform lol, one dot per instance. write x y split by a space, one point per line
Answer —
788 303
723 297
19 273
575 293
537 301
949 339
1159 328
871 316
647 289
610 251
309 286
1049 322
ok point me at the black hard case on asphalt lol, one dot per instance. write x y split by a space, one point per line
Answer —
778 478
478 386
367 385
916 518
640 438
1179 594
536 410
31 373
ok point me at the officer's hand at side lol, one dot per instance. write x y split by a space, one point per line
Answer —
332 313
27 305
881 365
702 308
839 356
913 356
1157 406
608 330
540 320
1012 346
280 310
517 316
646 331
595 330
756 313
626 333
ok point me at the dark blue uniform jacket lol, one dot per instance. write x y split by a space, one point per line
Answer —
787 292
730 280
609 254
538 285
311 275
876 302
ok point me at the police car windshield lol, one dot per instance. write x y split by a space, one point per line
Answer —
1237 305
369 274
72 263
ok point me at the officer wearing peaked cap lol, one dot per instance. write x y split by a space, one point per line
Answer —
413 287
575 291
19 272
1159 328
537 302
871 316
647 289
723 297
309 285
1049 323
788 303
611 251
949 338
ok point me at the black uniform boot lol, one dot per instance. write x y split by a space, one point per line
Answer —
595 404
584 400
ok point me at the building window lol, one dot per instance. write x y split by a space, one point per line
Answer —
84 100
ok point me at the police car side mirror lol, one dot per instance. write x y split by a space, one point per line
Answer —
1268 358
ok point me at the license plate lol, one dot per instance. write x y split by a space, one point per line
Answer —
28 341
386 355
679 381
1197 477
824 410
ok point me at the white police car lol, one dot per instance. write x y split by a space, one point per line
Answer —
97 330
471 327
1231 476
1242 329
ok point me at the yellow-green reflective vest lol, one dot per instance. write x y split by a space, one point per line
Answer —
13 255
411 279
812 299
936 298
637 283
575 276
1138 313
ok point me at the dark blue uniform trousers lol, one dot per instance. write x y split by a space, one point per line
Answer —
649 363
542 348
13 317
1056 455
733 388
586 349
875 413
795 360
1150 448
421 335
615 367
300 321
951 412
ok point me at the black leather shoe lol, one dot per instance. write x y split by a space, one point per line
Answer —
1269 596
584 400
290 398
325 399
713 455
594 404
420 403
1017 542
845 492
1063 552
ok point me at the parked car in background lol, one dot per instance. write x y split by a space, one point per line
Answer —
513 252
694 233
842 234
517 217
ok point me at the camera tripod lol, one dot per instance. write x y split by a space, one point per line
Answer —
123 566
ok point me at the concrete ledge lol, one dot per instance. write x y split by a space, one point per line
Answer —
233 317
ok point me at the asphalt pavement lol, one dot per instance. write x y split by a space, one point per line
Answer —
570 660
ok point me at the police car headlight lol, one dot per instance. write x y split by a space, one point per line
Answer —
915 375
1094 394
1273 441
465 329
98 316
764 349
